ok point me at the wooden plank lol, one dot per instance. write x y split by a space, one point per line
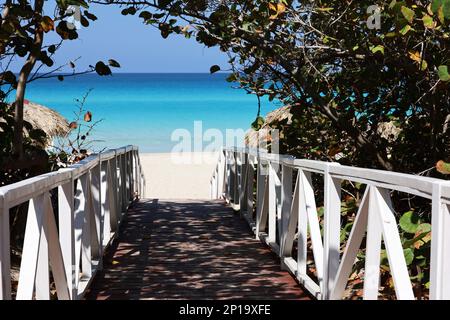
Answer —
218 261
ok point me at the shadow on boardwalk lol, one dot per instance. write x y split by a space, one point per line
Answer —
190 250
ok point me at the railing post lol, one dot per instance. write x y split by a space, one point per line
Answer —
115 184
232 175
249 190
235 179
5 256
228 176
286 204
123 178
332 228
260 188
105 200
272 232
138 176
129 175
66 216
243 183
221 181
135 191
83 225
440 247
97 213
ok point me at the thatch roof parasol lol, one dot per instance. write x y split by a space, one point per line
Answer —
252 137
46 119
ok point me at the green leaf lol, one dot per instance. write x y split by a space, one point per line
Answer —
378 48
428 21
392 4
422 233
424 228
435 5
409 222
443 73
443 167
446 9
214 69
321 211
257 124
408 13
409 255
405 29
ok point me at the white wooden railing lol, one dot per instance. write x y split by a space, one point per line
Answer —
284 215
93 196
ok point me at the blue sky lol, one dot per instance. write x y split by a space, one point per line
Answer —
137 47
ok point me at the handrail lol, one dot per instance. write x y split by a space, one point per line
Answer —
286 213
92 197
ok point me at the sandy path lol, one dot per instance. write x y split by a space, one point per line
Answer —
172 176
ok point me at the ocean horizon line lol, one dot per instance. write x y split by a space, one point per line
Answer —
129 73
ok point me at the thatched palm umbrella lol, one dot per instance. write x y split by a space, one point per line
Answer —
46 119
253 138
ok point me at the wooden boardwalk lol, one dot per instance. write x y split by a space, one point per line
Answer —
190 250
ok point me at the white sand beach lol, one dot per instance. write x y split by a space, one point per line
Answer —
178 176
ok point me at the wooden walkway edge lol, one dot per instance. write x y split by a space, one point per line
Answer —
190 250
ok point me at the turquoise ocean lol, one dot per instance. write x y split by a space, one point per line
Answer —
144 109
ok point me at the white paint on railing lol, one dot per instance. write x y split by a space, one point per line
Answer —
93 196
283 216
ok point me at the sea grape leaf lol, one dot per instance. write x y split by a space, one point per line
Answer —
409 255
102 69
409 222
214 68
113 63
407 13
443 73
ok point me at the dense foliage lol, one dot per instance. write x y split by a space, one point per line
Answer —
375 87
24 26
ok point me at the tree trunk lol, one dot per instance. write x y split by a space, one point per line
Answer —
22 83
